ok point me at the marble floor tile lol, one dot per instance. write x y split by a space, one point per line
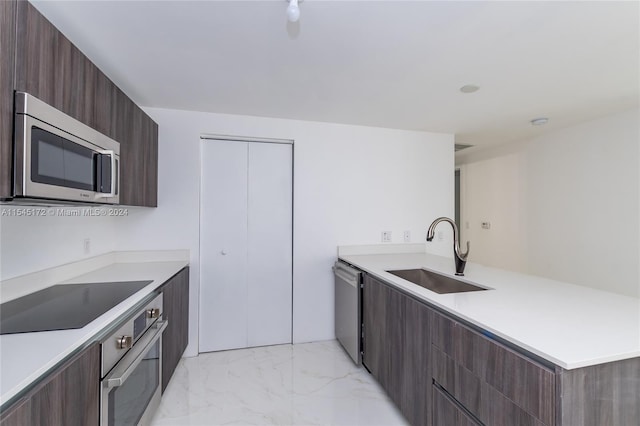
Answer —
305 384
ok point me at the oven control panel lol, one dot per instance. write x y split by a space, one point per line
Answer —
116 344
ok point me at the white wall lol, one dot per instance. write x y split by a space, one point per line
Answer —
350 183
492 190
30 244
564 205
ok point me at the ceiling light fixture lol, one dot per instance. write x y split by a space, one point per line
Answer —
539 121
293 11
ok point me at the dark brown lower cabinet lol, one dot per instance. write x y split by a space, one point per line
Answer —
606 394
408 346
495 383
68 396
383 320
397 341
176 310
374 307
447 413
18 414
416 380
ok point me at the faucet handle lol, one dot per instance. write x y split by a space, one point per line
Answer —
462 256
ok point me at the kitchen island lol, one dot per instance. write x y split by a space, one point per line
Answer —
527 350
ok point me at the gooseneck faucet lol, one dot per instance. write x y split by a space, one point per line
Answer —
460 258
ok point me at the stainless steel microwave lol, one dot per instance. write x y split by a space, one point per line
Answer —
57 158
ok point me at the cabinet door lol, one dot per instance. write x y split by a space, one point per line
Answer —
176 310
415 366
374 309
396 348
138 137
51 68
7 66
150 164
68 396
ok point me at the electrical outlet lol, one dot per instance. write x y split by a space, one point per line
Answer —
486 225
86 245
386 236
407 236
440 235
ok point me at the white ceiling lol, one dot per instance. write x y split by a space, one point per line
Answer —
376 63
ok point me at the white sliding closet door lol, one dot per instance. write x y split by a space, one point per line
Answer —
245 245
269 244
223 246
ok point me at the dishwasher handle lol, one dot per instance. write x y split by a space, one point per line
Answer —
349 275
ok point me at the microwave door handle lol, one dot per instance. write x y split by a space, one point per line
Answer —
112 155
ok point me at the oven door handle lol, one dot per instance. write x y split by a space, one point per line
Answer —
130 361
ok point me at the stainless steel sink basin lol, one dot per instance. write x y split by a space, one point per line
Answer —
435 282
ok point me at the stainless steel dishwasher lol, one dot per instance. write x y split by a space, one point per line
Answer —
348 308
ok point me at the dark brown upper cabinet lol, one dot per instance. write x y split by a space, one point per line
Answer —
48 66
7 55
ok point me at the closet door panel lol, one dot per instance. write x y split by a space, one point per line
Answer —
223 246
269 244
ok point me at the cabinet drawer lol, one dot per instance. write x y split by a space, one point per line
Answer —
447 413
458 381
528 384
476 396
498 410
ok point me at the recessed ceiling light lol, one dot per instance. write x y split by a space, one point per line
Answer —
539 121
469 88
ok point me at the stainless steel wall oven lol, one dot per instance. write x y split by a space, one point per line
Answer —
132 368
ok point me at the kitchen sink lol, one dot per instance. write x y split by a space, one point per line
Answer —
435 282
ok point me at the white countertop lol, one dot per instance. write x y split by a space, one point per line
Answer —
570 325
25 357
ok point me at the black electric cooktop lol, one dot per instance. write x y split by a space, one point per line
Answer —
65 306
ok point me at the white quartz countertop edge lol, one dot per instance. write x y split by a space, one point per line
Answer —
25 357
568 325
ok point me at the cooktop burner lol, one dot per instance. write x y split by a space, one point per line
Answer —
64 306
